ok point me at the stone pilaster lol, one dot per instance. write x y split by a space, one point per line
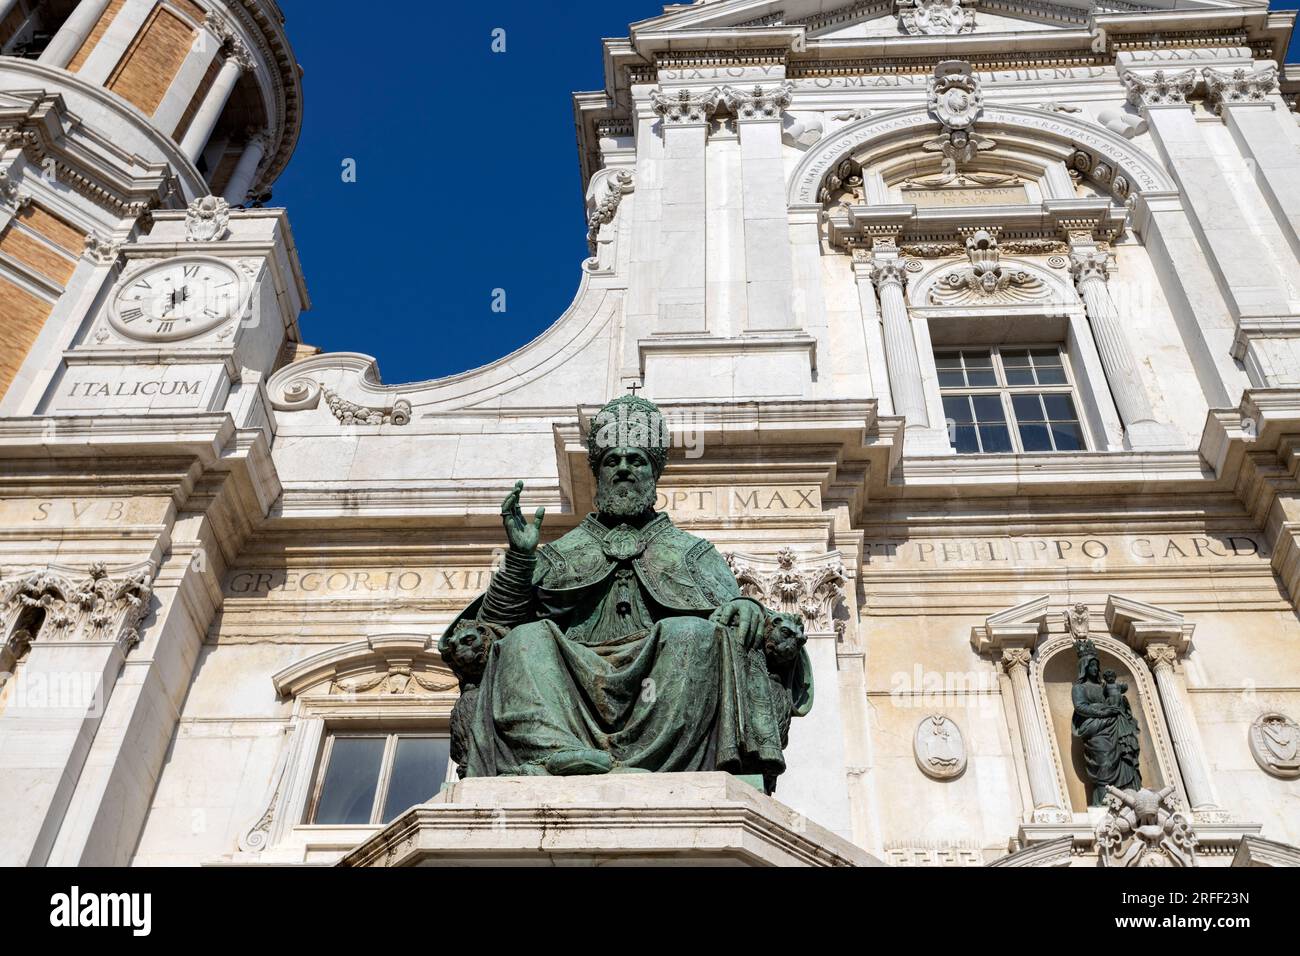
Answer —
758 111
905 385
1038 758
684 119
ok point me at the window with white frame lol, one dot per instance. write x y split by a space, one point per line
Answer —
1009 399
371 777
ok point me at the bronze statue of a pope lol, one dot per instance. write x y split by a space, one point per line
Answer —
625 645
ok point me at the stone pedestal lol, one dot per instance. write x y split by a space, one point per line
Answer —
619 819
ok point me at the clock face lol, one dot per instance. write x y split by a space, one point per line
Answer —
176 300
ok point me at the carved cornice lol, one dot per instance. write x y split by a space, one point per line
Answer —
1159 87
1231 87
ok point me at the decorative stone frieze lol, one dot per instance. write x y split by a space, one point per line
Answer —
936 17
98 608
206 219
1159 87
1145 828
1229 87
685 107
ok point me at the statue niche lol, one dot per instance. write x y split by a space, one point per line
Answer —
624 646
1097 715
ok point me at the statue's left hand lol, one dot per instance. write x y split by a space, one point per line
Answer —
744 616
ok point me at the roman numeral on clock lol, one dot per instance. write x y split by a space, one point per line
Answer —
165 326
131 314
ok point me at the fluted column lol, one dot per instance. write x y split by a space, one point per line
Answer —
1090 267
1042 776
900 346
209 112
877 366
245 174
1195 777
73 33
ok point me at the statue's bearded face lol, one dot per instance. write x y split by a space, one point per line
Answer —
625 483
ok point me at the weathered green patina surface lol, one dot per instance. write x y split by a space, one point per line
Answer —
625 645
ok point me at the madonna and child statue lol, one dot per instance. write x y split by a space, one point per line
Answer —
625 645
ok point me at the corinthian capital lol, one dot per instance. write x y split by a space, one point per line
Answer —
1161 655
685 107
1159 87
1239 86
886 271
1089 265
756 103
1013 657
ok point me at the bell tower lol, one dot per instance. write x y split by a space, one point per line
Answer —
146 291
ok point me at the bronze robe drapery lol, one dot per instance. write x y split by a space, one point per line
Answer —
619 655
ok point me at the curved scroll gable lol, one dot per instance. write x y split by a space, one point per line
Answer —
1062 131
386 664
573 351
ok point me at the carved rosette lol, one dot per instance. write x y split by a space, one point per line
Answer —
1239 86
757 102
936 17
811 587
685 107
206 219
99 608
1160 87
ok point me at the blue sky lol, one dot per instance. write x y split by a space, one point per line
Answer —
466 173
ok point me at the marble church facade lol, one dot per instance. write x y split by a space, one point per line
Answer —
978 326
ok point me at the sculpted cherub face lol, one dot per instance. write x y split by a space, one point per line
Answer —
784 638
465 651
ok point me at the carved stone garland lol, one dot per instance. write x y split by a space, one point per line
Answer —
350 413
